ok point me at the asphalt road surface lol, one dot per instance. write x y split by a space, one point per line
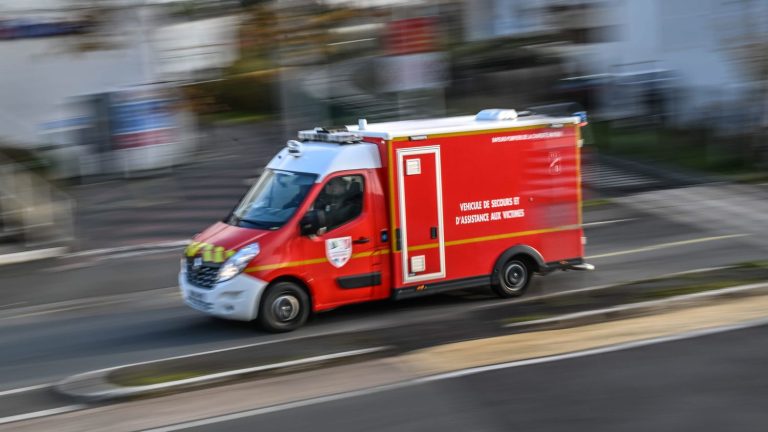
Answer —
709 383
142 317
63 317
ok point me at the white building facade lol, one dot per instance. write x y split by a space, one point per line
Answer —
133 45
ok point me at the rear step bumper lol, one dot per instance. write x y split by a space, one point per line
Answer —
582 267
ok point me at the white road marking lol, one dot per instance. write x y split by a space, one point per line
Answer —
608 222
147 246
96 301
23 389
67 267
38 414
19 257
458 374
666 245
6 306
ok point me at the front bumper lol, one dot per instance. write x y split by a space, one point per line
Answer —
236 299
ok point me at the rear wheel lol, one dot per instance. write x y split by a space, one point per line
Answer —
284 308
513 279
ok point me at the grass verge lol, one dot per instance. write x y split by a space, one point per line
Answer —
148 379
641 291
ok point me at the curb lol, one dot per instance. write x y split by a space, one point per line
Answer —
95 387
639 309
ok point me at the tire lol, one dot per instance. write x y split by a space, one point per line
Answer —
513 279
285 307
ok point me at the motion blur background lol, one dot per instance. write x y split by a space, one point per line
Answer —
117 115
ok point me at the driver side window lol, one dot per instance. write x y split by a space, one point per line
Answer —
341 200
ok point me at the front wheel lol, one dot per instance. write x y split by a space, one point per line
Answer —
513 279
284 308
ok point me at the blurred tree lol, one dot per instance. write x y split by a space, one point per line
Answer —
249 3
258 35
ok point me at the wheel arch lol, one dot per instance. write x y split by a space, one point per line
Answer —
525 252
299 282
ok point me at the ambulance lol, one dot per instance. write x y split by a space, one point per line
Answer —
394 211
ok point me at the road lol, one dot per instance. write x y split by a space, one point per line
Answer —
81 314
57 340
709 383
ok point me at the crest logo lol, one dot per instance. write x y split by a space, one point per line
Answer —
555 161
197 263
338 251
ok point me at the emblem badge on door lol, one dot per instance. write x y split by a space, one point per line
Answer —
338 251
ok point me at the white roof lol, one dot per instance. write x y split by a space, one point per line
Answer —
326 158
446 125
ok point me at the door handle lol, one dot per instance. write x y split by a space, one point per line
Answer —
433 233
361 240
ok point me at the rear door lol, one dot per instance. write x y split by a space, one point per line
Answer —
421 214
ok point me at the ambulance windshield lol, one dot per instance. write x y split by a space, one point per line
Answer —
272 200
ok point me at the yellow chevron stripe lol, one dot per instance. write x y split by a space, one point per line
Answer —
493 237
311 261
511 235
416 248
211 252
286 264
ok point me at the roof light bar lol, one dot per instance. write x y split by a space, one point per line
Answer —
496 115
322 135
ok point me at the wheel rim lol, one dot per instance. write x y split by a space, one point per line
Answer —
286 308
514 277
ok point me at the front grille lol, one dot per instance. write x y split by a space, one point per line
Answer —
204 276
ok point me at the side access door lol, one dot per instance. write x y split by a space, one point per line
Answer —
420 203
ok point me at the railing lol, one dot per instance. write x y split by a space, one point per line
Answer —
32 210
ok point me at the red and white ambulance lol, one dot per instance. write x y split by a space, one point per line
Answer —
395 210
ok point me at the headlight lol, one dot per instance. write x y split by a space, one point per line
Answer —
237 262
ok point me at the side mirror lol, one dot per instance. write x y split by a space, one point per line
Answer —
312 223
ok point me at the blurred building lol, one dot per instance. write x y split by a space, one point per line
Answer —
485 19
54 50
698 44
699 60
693 59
